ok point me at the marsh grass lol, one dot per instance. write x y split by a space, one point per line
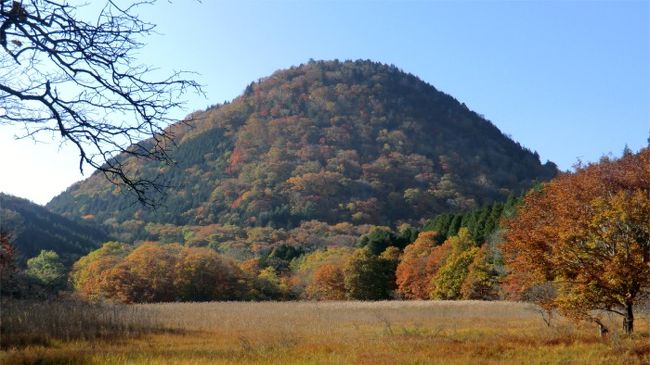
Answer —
29 323
394 332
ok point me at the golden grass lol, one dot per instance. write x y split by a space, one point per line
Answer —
415 332
25 323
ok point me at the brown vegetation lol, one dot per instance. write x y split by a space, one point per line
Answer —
29 323
586 235
394 332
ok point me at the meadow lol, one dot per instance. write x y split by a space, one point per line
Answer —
390 332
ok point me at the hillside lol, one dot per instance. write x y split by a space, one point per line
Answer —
360 142
34 228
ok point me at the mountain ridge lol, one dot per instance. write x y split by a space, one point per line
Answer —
334 141
33 228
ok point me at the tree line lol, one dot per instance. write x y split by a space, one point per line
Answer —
578 245
378 264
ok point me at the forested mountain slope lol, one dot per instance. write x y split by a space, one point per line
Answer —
34 228
332 141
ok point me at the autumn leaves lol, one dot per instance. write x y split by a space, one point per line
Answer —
586 236
579 245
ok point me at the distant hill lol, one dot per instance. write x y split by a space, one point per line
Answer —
360 141
34 228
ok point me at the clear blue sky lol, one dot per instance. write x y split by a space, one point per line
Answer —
569 80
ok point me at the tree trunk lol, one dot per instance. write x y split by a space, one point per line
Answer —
628 320
602 329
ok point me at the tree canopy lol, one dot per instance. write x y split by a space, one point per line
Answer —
47 271
587 234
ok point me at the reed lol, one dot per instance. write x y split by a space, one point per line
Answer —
391 332
25 323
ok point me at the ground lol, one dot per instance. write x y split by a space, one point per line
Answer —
395 332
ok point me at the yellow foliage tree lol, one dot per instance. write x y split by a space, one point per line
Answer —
448 280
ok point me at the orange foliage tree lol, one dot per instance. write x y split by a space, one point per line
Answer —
154 272
328 283
587 236
307 265
147 274
414 271
88 273
202 274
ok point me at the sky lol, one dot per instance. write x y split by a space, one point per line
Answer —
570 80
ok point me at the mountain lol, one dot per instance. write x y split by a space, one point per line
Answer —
34 228
358 142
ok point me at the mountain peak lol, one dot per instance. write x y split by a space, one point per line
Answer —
334 141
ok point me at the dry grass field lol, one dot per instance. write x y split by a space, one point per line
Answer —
393 332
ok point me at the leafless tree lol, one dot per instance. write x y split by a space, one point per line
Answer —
80 80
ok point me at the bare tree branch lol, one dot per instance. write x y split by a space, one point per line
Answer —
80 79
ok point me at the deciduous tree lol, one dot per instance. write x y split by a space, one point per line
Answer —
367 276
147 273
482 281
413 274
201 275
327 284
588 235
47 271
448 279
78 77
88 273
